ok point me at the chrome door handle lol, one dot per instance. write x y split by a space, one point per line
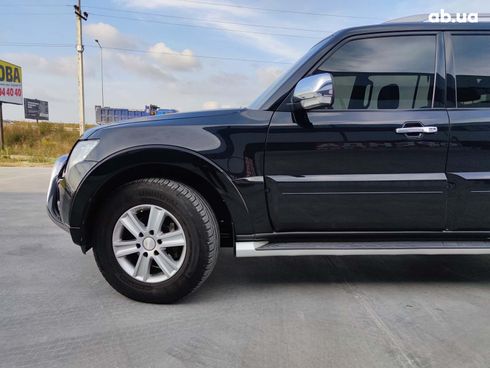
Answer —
418 129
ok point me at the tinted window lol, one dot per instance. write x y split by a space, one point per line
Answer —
472 62
383 73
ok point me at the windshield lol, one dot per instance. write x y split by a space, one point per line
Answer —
264 96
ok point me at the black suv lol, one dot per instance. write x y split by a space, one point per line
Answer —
376 142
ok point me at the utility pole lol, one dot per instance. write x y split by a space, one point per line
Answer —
101 70
79 16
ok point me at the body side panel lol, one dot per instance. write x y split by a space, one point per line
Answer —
222 149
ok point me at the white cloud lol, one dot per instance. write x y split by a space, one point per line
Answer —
269 74
210 105
220 16
228 80
109 36
159 55
264 42
141 66
134 79
184 60
62 66
179 4
214 105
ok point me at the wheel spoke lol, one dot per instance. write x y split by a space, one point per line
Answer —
173 239
155 219
166 264
132 224
142 268
143 255
125 247
123 243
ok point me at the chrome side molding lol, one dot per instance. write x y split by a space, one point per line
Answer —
266 249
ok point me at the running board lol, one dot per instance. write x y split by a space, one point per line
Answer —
265 249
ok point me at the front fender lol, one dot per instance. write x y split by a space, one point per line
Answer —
163 156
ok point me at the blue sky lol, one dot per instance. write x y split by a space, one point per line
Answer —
149 58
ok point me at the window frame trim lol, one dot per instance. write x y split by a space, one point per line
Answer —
439 63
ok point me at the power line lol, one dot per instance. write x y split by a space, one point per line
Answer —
197 56
278 10
37 5
35 44
130 50
201 26
23 13
206 20
237 6
191 25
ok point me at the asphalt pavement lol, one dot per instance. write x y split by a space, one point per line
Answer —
56 310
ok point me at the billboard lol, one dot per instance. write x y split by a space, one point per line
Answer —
36 109
10 83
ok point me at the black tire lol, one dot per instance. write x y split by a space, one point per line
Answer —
200 229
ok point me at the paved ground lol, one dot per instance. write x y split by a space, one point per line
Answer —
57 311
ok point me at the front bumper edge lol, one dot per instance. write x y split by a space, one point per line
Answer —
53 196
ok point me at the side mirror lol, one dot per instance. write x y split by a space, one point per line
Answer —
314 91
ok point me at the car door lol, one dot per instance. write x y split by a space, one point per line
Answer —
347 168
468 167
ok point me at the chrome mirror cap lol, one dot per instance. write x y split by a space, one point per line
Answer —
314 91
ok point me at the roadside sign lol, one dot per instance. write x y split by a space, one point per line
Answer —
10 83
10 89
36 109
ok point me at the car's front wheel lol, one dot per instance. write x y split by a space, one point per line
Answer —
156 240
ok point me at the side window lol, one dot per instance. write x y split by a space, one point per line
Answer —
472 63
383 73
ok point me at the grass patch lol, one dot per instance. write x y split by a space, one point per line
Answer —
33 144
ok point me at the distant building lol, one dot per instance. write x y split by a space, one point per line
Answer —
107 115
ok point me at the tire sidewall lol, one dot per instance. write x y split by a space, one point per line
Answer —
181 207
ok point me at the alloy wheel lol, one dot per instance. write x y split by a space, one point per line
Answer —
149 243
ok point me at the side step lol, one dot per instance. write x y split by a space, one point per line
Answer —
264 248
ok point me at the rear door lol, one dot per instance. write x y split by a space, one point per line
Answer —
468 166
347 168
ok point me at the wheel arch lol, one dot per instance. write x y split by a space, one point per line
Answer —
187 167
